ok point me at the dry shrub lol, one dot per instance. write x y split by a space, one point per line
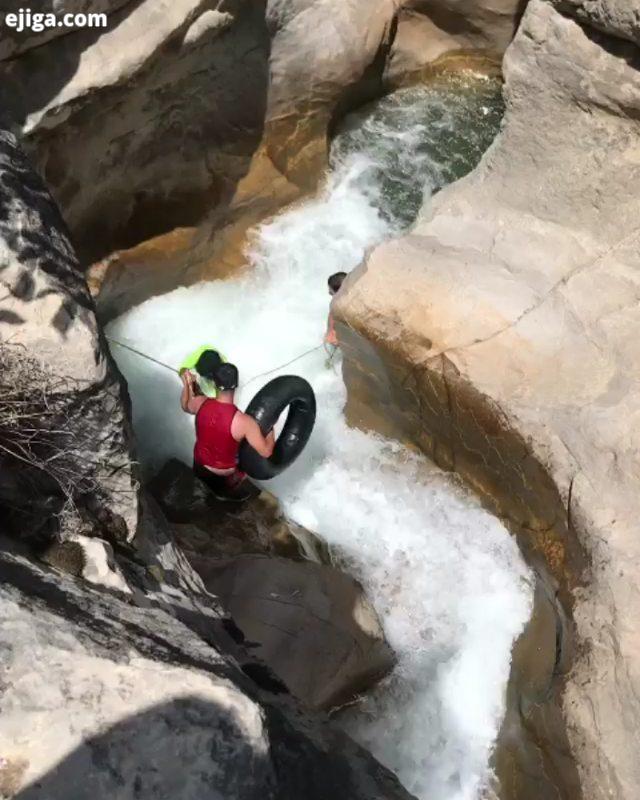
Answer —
46 441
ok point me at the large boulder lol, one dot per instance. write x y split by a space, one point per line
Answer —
503 330
186 113
104 698
146 125
312 624
64 456
207 116
325 55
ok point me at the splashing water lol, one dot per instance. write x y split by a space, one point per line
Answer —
424 139
444 575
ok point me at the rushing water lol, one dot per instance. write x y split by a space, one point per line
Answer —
444 575
424 139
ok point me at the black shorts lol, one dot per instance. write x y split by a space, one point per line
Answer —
218 483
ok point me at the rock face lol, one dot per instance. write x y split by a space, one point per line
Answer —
513 327
62 419
207 115
324 54
311 624
188 112
102 698
427 29
145 126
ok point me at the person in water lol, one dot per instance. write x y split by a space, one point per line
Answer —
204 362
335 282
220 429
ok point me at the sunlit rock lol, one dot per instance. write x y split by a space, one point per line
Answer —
510 317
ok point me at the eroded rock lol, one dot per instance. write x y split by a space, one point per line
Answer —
183 116
508 344
180 113
147 126
312 624
428 29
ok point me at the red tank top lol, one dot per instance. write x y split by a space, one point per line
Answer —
215 446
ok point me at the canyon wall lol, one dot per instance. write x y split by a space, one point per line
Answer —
501 336
64 455
179 110
122 675
192 120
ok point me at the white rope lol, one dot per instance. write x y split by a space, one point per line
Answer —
242 385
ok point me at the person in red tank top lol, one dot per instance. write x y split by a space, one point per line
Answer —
220 429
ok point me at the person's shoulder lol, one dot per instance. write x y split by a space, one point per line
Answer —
244 419
197 403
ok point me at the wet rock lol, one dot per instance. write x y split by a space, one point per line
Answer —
101 698
426 30
207 120
209 527
507 349
324 56
312 624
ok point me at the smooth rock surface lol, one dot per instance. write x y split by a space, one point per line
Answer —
324 54
427 29
312 624
191 114
513 324
105 699
181 111
147 126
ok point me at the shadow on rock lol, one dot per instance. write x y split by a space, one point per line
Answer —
185 749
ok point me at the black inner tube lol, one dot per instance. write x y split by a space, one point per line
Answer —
266 408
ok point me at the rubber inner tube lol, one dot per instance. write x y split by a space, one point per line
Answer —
266 407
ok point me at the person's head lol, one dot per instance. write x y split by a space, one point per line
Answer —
226 377
335 282
208 363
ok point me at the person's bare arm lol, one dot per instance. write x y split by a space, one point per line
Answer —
188 400
330 336
248 428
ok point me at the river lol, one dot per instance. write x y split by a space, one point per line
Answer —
444 575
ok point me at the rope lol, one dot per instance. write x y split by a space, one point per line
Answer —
282 366
142 355
242 385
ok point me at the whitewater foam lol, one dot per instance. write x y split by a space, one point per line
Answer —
444 575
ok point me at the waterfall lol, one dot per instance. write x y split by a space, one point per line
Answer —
444 575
